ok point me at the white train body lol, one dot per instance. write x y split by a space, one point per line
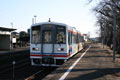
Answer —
51 44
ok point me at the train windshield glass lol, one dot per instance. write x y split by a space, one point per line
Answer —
36 34
47 37
60 35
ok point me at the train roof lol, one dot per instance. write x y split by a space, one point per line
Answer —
56 23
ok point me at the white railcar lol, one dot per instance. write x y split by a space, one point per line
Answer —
51 44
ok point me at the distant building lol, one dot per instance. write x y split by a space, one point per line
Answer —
96 39
85 37
5 38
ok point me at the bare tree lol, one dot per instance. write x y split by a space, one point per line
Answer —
104 14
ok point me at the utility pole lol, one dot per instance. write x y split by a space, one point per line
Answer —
114 30
35 18
32 20
12 24
102 38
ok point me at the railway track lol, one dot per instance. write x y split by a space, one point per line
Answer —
18 65
22 68
25 72
41 74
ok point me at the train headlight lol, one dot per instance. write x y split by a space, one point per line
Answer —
60 49
35 49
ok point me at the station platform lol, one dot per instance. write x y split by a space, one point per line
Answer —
2 52
93 63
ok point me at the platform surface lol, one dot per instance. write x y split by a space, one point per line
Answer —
96 64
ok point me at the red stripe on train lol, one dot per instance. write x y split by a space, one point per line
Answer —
72 32
69 30
38 55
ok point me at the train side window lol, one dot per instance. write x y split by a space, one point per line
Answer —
79 38
35 34
73 38
69 38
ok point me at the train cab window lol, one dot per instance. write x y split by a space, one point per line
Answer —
35 34
60 35
47 37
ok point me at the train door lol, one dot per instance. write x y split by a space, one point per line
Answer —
47 47
70 42
47 41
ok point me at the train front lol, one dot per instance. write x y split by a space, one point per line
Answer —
48 44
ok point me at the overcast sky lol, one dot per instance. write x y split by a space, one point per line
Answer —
72 12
